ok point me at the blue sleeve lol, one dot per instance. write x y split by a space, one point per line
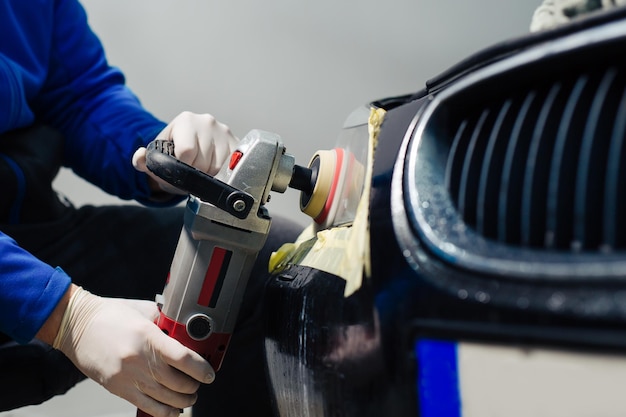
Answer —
86 99
29 291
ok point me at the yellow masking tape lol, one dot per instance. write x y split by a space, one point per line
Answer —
343 251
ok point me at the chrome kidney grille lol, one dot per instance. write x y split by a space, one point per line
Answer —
518 168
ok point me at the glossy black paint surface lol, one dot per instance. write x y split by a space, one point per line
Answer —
327 358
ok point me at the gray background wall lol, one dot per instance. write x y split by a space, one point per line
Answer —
293 67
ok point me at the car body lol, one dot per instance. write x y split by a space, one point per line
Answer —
493 278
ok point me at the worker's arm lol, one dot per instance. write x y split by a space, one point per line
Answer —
30 290
113 341
86 99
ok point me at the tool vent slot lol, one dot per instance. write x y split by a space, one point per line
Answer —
543 166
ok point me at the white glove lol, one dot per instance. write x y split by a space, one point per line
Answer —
199 140
116 343
552 13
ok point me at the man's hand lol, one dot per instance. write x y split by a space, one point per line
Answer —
199 140
116 343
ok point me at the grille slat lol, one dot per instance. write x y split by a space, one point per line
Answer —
534 190
591 166
558 183
468 184
452 179
490 170
514 148
613 199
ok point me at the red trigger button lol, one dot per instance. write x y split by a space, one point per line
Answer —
234 159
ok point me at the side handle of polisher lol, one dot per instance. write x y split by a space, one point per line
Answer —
161 161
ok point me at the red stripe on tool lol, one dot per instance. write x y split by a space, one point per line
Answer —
333 189
212 276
